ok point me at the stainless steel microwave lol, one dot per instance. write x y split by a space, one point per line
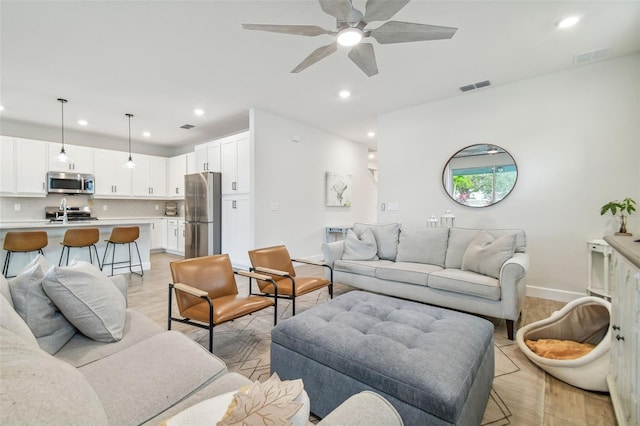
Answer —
70 183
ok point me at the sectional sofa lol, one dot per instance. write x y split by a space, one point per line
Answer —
471 270
71 352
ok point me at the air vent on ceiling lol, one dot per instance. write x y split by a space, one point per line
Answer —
593 55
187 126
478 85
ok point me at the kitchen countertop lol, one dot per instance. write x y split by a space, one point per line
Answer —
45 223
626 246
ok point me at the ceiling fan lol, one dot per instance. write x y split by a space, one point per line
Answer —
351 30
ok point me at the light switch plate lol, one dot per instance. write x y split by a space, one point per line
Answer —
275 206
17 207
105 207
392 206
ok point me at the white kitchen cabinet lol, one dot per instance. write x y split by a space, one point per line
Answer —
7 169
158 234
112 180
207 157
81 158
181 236
31 176
150 176
236 228
175 236
177 168
623 380
236 164
191 163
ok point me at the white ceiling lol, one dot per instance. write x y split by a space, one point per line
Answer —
161 59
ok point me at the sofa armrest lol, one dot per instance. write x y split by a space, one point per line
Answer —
513 285
332 251
365 408
121 283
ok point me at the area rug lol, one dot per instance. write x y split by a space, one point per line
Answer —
517 396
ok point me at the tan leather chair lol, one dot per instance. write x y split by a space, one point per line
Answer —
123 235
278 265
80 237
23 242
207 293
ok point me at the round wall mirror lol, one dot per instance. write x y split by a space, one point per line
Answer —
480 175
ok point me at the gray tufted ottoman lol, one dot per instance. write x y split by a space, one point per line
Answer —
434 365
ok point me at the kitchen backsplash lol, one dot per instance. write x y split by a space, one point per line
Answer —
24 208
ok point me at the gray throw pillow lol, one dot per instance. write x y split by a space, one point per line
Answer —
386 238
50 327
10 320
423 245
360 248
88 299
38 389
486 254
5 290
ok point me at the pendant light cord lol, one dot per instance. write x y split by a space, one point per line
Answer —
129 115
62 102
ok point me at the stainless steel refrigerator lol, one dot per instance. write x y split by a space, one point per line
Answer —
202 205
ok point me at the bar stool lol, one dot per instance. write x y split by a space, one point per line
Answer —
81 237
123 235
23 242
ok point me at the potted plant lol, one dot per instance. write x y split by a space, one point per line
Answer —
626 205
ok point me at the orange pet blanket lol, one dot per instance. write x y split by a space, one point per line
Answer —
559 349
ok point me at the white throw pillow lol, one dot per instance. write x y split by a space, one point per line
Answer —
88 299
51 328
386 238
360 248
486 254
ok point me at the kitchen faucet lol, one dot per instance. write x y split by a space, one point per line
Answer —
63 207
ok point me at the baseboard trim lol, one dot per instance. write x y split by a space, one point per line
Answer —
553 294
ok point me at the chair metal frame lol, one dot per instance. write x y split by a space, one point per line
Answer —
285 274
64 246
7 258
205 296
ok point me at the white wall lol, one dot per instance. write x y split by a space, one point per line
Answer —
575 136
292 175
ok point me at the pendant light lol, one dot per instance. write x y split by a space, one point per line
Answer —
62 157
129 164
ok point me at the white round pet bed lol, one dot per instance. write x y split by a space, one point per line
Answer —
584 320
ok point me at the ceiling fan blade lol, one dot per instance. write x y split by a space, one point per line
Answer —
316 55
402 32
382 10
303 30
364 57
340 9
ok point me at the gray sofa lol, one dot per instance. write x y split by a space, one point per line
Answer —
146 376
471 270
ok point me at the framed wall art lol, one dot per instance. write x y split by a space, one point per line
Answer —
338 190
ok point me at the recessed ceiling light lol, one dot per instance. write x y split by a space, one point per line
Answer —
146 134
568 22
83 122
198 111
371 134
344 94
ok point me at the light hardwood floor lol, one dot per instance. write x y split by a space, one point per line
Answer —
563 404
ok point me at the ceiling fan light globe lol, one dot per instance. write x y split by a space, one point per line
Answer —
349 37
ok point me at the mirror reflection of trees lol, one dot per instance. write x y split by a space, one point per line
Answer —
480 175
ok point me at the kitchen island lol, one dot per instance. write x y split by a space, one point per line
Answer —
55 232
